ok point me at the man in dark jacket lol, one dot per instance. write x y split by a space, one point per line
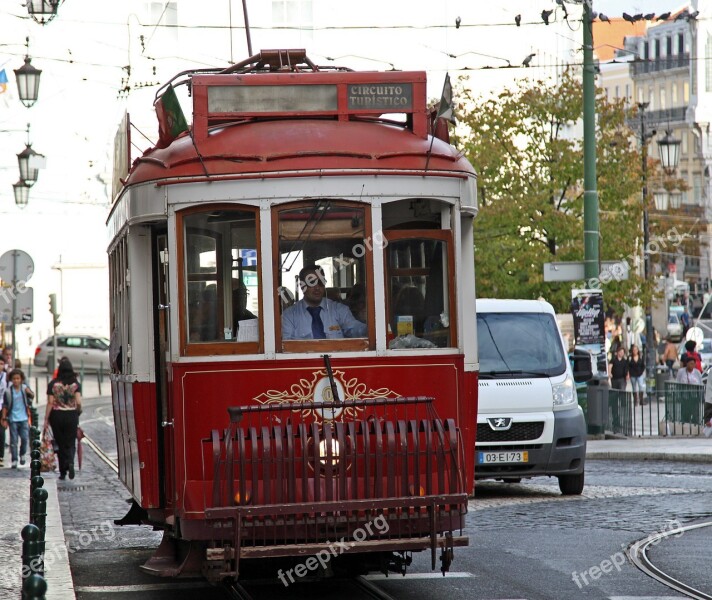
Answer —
618 370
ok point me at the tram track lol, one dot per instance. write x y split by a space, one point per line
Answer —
638 554
100 453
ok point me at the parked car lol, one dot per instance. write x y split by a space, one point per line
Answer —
674 327
87 352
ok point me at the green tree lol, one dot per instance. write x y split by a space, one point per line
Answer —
526 145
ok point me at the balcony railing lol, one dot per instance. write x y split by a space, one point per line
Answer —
640 67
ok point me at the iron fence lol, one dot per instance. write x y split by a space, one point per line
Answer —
678 410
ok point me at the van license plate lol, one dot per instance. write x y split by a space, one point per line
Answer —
502 457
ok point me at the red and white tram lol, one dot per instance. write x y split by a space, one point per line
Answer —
243 440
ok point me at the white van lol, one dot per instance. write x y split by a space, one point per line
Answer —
529 422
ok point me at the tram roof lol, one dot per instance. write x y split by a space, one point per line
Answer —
277 112
324 146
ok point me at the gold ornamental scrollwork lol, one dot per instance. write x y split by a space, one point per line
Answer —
317 389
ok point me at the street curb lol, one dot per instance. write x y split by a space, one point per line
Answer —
615 455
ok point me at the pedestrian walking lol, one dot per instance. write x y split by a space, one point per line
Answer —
16 415
64 405
636 372
618 370
670 354
3 429
689 374
691 352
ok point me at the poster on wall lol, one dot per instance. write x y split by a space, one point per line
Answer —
589 319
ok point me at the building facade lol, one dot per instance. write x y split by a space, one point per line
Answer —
666 68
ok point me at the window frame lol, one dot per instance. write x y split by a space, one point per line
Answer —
331 345
223 347
443 235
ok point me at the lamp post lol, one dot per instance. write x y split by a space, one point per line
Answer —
669 155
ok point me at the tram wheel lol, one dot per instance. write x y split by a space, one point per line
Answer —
571 485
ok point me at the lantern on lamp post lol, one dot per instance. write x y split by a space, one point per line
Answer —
28 80
669 148
43 11
29 162
22 193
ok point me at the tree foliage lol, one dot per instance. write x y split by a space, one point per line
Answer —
526 145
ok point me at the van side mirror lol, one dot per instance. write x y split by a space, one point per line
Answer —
582 365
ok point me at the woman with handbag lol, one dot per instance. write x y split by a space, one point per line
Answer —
64 405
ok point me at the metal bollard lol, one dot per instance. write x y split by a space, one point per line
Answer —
35 467
34 588
39 514
31 554
34 430
36 482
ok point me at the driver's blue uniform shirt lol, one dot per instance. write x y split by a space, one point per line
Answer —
338 321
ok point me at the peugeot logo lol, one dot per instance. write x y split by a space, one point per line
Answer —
500 423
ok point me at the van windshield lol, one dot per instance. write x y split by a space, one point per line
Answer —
519 344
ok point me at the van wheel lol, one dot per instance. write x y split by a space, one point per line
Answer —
571 485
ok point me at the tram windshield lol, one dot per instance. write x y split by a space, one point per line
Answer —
323 276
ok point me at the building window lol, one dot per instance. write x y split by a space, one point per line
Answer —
668 45
663 103
617 92
708 64
646 50
651 98
685 93
627 92
683 145
673 95
658 49
681 44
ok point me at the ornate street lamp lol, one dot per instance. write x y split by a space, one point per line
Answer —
29 162
43 11
675 200
661 200
669 148
22 193
28 80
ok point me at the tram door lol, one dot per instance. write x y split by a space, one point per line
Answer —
162 381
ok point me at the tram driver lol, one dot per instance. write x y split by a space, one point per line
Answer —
315 316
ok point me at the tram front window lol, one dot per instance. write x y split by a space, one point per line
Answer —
324 277
221 278
419 298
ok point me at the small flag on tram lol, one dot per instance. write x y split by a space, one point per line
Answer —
3 81
445 110
171 121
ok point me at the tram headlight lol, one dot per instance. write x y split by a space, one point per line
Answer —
563 393
335 450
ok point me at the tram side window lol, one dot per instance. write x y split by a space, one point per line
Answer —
221 275
324 276
419 290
